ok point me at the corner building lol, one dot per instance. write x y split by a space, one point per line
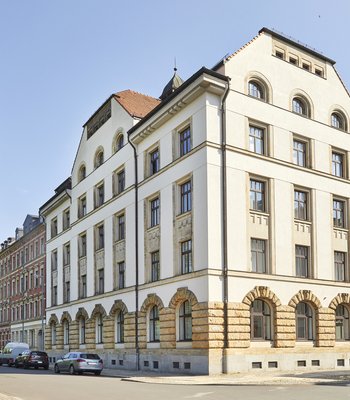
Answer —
236 256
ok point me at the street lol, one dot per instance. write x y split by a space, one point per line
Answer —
18 384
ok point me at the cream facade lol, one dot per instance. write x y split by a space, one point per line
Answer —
236 256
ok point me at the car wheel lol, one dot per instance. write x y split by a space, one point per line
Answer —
57 370
97 373
46 367
26 366
71 370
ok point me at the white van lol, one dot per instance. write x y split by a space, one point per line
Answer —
11 351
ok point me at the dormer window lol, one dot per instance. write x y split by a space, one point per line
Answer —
255 89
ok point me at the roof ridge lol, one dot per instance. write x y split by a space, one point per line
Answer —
243 47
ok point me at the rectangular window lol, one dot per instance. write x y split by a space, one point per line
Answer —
82 245
99 195
66 254
339 266
101 281
302 261
257 139
338 164
82 207
154 161
54 230
54 295
300 149
257 195
155 205
100 237
300 205
258 255
120 228
185 141
121 275
120 181
83 287
66 219
54 260
66 292
186 257
155 267
338 213
186 197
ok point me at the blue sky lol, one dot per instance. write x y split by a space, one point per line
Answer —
60 59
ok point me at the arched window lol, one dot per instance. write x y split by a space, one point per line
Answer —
304 322
65 332
99 329
185 321
82 330
260 320
82 173
98 158
256 89
338 121
119 143
300 106
154 326
119 327
342 323
53 334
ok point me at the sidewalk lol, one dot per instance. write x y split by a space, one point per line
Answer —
308 377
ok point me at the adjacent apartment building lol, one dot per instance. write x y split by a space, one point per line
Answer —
208 232
22 285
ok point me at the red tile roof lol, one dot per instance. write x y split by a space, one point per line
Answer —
136 104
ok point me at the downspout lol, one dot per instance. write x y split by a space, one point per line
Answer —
137 348
224 225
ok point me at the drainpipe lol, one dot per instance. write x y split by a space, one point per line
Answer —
224 224
136 259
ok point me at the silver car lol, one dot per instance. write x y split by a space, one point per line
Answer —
79 362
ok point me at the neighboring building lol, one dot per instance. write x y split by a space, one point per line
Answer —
236 256
22 280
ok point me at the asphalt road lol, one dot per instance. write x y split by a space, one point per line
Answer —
45 385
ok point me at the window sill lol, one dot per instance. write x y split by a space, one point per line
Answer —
261 343
99 345
82 346
304 343
119 345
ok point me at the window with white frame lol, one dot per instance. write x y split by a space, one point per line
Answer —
53 334
338 213
54 229
342 323
155 266
186 197
120 227
257 195
304 322
338 164
82 245
99 237
300 152
338 121
185 141
66 254
302 261
99 194
258 255
66 219
154 212
301 205
154 161
65 332
81 206
82 330
99 329
186 256
121 275
119 327
257 139
154 325
185 321
256 89
339 266
260 320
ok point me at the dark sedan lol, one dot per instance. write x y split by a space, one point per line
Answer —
36 359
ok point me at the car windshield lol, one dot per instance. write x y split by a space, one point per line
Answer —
89 356
39 353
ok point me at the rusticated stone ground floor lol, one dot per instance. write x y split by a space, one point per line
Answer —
279 336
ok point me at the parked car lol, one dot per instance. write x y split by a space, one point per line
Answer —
11 351
36 359
79 362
